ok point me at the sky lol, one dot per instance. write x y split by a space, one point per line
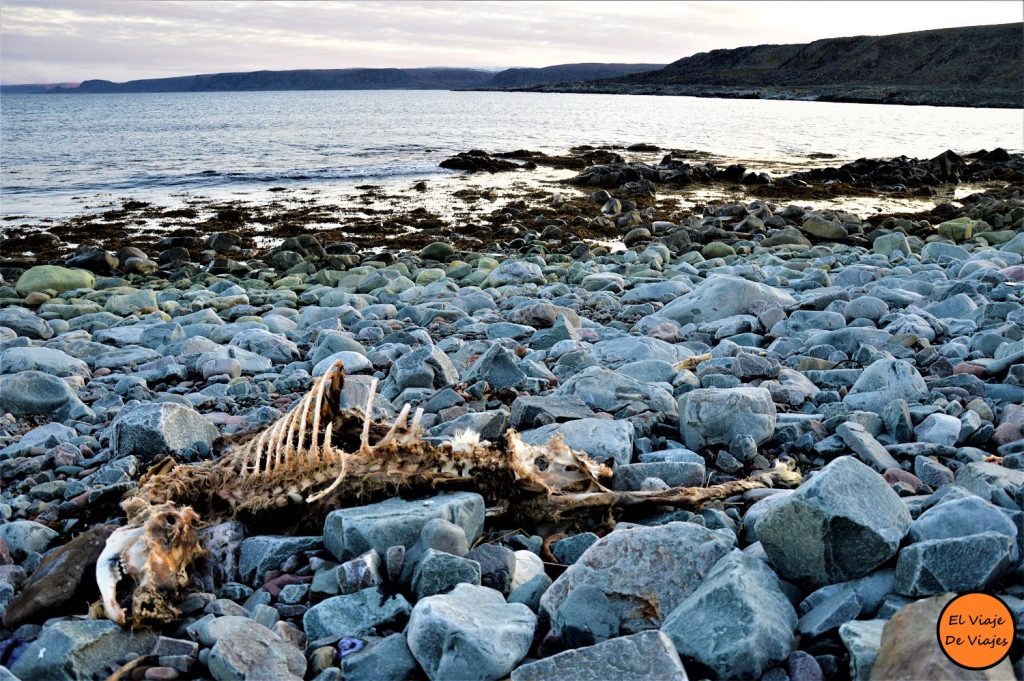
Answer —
50 41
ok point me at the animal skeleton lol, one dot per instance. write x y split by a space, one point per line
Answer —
301 459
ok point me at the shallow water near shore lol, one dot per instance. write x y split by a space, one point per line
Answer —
66 154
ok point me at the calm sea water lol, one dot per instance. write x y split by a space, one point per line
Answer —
57 150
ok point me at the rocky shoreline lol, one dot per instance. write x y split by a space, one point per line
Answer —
880 354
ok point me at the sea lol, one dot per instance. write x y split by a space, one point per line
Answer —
62 153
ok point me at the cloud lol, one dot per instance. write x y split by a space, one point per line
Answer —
62 40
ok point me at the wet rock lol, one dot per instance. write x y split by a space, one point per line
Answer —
149 430
470 633
841 524
669 562
738 622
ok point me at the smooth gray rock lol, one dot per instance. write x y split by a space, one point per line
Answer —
839 525
647 656
940 429
151 429
830 613
79 650
355 614
49 361
710 416
738 622
267 552
515 272
497 566
884 381
470 634
602 440
350 532
247 650
667 563
721 296
34 393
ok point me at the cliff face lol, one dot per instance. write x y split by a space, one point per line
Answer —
972 66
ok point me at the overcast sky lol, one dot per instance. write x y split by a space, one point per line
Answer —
47 41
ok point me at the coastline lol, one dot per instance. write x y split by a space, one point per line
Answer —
686 321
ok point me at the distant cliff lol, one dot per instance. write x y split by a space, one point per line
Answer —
972 66
351 79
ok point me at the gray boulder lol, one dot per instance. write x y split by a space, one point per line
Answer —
33 393
469 634
267 552
722 296
355 614
884 381
246 651
23 537
961 564
718 415
738 622
647 656
54 362
350 532
149 430
79 650
497 367
606 390
862 639
515 272
839 525
667 563
386 659
601 439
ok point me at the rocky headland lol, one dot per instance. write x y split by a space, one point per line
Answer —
682 343
975 66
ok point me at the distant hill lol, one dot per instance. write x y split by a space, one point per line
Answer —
35 88
565 73
351 79
971 66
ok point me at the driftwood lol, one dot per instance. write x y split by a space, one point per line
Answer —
319 457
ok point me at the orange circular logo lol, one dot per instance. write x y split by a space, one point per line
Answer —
975 631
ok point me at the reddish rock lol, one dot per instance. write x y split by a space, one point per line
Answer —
969 368
894 475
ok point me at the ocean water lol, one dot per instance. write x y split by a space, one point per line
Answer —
58 152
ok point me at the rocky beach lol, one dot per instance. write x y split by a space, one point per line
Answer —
687 321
